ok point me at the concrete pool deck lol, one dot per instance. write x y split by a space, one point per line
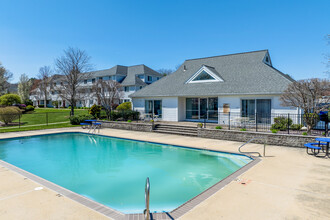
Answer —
286 184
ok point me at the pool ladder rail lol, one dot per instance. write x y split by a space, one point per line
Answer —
147 196
252 152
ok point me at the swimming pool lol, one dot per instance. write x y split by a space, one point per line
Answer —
112 171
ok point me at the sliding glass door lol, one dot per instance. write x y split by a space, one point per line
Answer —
154 108
259 109
202 108
264 109
192 108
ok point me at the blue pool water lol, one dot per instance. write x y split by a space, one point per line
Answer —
113 171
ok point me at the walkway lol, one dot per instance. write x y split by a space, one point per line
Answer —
287 184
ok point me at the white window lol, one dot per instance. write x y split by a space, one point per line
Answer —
205 74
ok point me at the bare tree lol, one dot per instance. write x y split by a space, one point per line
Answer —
72 64
44 76
165 71
5 76
311 95
108 94
24 87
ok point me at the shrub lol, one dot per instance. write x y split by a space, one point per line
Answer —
28 102
304 133
9 114
124 115
129 121
296 127
77 119
218 127
95 110
274 131
243 129
55 104
281 123
41 106
29 108
125 106
10 99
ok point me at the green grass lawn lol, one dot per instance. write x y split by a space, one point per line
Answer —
42 127
41 115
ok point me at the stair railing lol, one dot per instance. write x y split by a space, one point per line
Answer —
147 196
252 152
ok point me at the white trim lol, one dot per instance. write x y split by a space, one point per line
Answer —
208 71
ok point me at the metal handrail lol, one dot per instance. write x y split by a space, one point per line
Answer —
239 149
147 195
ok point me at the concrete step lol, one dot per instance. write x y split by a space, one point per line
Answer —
177 129
175 126
176 132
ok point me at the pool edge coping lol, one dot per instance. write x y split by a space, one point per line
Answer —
115 214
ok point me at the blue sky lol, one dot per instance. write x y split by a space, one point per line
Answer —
162 34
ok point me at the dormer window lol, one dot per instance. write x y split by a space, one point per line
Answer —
205 74
267 59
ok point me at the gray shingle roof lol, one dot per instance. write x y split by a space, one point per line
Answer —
243 73
133 71
130 73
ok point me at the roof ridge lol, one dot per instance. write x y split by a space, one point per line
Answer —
228 54
137 65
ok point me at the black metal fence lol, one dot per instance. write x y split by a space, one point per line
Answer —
276 123
33 119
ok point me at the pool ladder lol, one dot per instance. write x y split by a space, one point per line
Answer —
147 195
249 141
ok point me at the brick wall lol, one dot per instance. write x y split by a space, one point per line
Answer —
127 125
269 138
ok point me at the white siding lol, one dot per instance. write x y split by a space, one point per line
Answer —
234 103
277 108
181 108
138 105
170 109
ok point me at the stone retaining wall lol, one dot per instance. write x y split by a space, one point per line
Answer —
127 125
268 138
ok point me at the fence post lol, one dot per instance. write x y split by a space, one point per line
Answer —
326 128
47 118
288 123
256 122
228 120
